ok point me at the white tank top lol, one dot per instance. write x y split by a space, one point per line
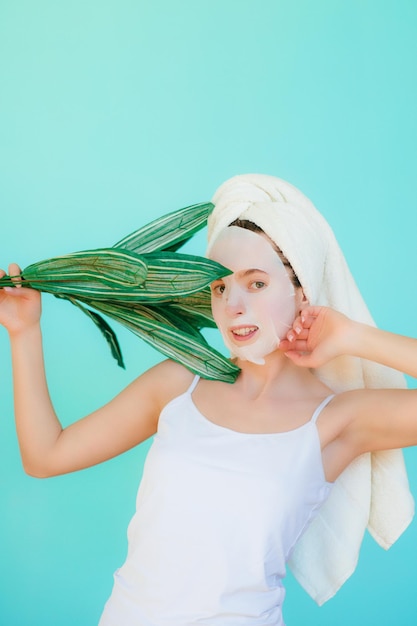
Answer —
218 513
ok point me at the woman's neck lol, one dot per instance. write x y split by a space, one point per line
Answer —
277 372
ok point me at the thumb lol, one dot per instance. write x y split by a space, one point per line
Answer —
300 359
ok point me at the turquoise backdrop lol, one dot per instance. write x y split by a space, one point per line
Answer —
113 112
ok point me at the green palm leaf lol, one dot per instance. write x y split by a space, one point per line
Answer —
195 308
160 295
171 275
169 316
101 271
106 330
189 349
112 274
168 232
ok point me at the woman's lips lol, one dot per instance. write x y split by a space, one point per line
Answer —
243 333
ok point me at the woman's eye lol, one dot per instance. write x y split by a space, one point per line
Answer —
258 284
218 290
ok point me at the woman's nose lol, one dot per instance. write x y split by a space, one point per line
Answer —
234 303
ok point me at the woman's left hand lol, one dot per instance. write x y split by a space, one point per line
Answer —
318 335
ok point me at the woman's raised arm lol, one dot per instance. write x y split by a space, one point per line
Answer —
372 419
46 448
320 334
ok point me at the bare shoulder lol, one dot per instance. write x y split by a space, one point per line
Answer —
165 381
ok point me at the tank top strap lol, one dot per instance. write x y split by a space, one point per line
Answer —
321 406
193 384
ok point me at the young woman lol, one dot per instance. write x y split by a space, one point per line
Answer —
240 478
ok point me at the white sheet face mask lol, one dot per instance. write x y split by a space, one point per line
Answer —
255 306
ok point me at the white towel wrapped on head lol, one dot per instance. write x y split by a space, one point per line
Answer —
373 491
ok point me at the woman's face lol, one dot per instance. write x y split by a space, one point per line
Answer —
255 306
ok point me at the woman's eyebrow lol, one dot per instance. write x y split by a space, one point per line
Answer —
245 273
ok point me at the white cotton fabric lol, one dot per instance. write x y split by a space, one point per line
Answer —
218 513
373 491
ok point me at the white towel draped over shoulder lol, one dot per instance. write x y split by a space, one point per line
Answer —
373 491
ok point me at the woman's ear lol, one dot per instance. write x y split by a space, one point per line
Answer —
303 301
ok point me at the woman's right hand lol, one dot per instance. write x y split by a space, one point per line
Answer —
20 307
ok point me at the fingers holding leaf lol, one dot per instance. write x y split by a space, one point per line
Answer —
15 274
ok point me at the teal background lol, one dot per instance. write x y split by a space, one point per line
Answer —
115 112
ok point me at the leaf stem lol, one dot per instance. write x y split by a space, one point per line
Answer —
7 281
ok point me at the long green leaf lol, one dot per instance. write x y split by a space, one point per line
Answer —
102 272
195 308
168 232
110 274
192 352
160 295
171 275
106 330
166 315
